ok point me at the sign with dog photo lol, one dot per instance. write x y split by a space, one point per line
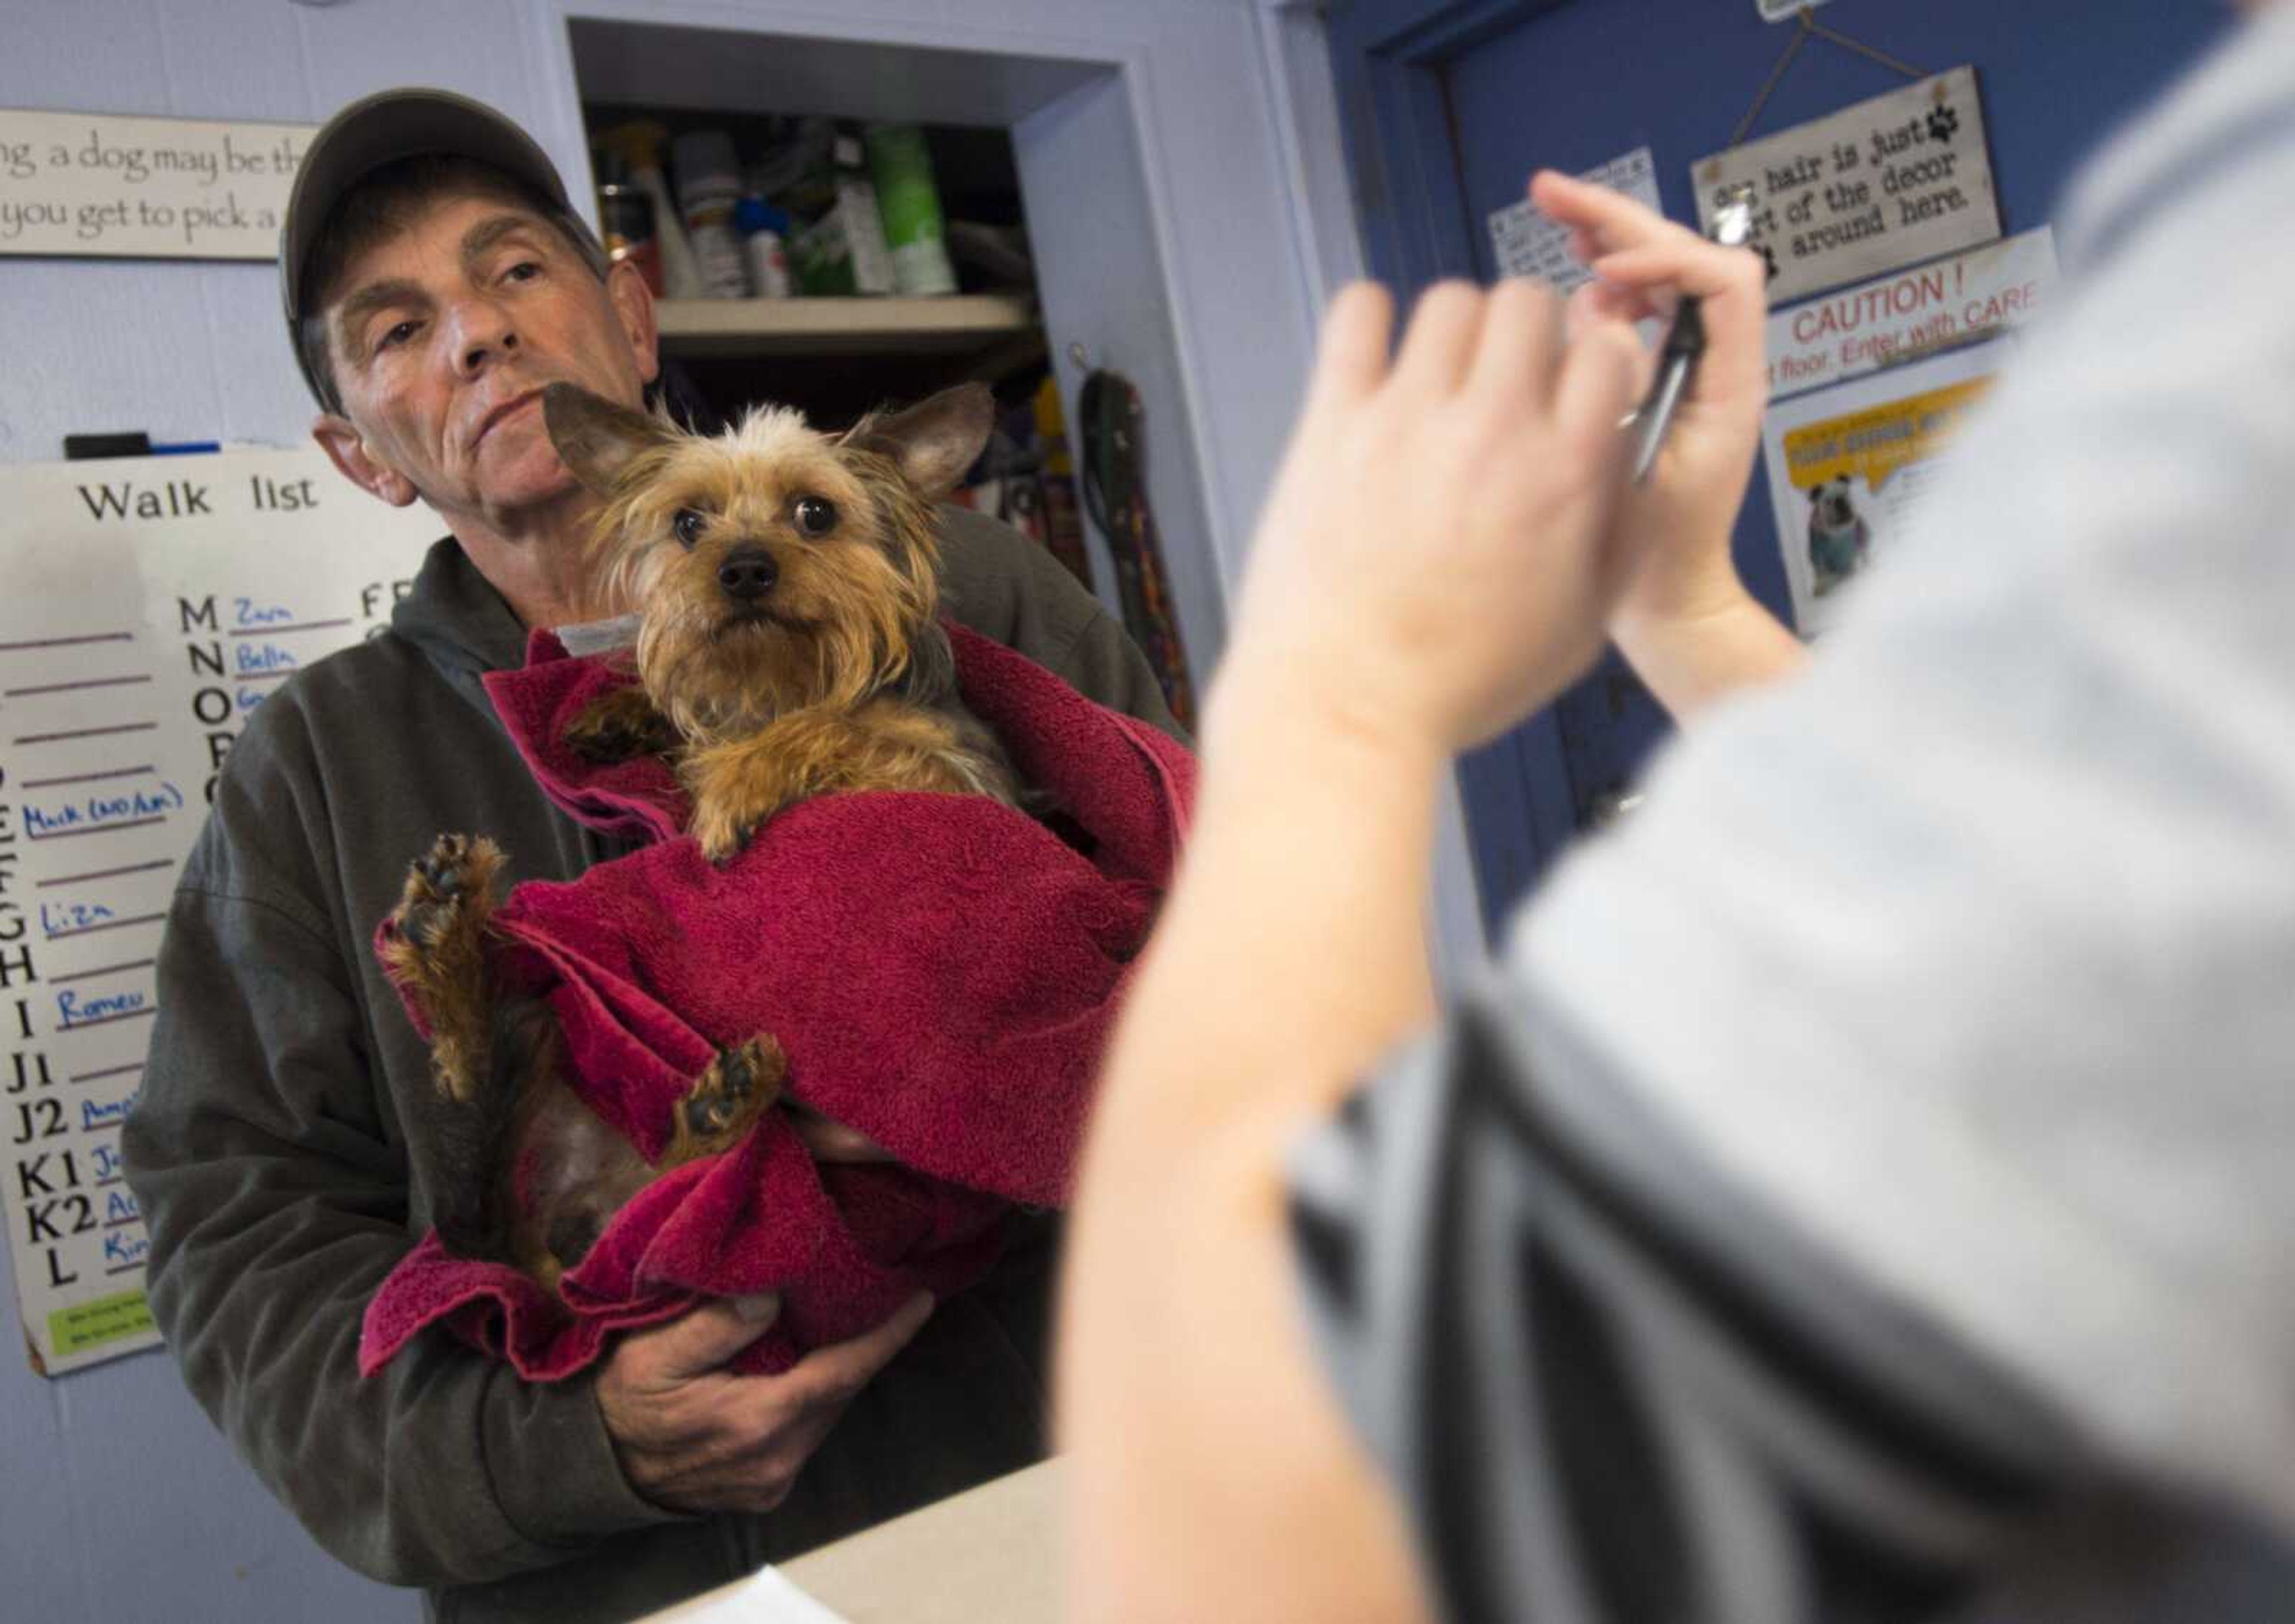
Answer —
1883 185
155 603
1848 468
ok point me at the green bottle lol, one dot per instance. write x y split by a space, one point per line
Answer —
909 204
844 251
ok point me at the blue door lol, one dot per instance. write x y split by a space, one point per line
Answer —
1450 104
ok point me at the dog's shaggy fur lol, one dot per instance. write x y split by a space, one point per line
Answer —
789 646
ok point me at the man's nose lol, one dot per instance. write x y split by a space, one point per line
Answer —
484 334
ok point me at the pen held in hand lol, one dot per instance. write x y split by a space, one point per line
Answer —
1685 342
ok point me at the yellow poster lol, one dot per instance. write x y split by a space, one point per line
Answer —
1848 466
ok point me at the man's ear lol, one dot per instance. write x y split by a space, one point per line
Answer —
346 449
934 441
633 308
595 439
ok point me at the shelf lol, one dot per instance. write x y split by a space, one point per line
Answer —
951 325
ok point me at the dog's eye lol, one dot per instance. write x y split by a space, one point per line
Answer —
687 527
816 516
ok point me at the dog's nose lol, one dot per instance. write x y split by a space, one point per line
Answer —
749 573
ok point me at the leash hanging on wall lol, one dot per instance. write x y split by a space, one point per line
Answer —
1111 422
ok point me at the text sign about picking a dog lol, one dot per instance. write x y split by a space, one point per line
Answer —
111 186
1883 185
154 604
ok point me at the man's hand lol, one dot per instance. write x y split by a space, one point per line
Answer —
1435 559
692 1437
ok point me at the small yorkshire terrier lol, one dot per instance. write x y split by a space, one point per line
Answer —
789 646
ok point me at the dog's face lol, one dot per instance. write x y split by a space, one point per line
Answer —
1829 507
771 567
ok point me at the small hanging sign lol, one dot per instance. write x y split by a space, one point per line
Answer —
1886 183
109 185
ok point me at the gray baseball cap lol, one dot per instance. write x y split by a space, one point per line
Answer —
380 129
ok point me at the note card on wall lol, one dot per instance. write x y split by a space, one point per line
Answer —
112 185
152 604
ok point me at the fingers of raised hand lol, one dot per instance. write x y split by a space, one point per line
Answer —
1689 265
1351 361
1438 347
1601 221
1601 376
1595 303
1514 359
1728 283
1641 254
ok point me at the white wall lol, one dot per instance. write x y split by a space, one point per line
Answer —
118 1503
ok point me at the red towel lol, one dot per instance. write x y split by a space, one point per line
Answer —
940 970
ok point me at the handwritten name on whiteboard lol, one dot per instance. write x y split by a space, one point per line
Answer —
115 187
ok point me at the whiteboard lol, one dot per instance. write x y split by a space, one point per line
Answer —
154 604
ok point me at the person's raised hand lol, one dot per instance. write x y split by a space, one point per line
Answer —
693 1436
1678 523
1435 558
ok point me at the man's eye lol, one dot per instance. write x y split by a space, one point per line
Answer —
393 337
816 515
524 270
687 527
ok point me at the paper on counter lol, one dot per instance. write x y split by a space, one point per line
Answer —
765 1597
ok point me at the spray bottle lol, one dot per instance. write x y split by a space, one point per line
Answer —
709 185
639 146
908 205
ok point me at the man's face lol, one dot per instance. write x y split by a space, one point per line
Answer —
442 336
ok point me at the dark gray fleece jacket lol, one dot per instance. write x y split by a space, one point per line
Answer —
284 1147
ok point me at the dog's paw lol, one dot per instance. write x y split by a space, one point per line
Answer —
436 951
449 888
620 727
735 788
722 839
726 1101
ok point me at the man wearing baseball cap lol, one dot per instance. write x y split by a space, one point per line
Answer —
286 1146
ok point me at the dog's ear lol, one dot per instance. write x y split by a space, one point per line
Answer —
934 441
595 439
